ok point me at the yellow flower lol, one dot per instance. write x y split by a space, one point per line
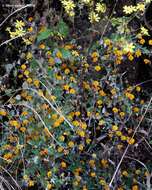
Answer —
49 186
137 172
140 6
14 123
29 80
94 17
100 7
93 174
147 61
129 9
102 93
122 114
60 149
135 187
36 83
49 174
142 41
81 147
144 31
23 129
42 46
75 123
67 71
30 19
97 68
150 42
59 54
95 83
72 91
81 133
114 127
92 163
88 140
130 96
71 144
23 66
136 109
83 125
138 53
26 73
26 41
130 57
123 138
75 53
63 164
95 54
51 61
104 163
131 141
3 112
8 156
29 55
128 47
19 24
62 138
31 183
77 113
125 173
25 177
56 124
68 5
115 110
118 133
30 29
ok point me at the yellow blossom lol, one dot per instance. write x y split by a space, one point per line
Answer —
125 173
63 164
14 123
100 7
23 66
93 174
49 174
131 141
3 112
114 127
49 186
67 71
115 110
72 91
31 183
129 9
97 68
29 55
138 53
71 144
36 83
94 17
150 42
19 24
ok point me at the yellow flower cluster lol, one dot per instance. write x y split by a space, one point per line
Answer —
132 9
19 29
69 7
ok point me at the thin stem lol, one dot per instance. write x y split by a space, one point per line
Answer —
26 6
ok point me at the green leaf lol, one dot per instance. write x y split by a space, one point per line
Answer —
33 63
63 28
65 53
44 35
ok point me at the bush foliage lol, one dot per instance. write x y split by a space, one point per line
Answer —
71 118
